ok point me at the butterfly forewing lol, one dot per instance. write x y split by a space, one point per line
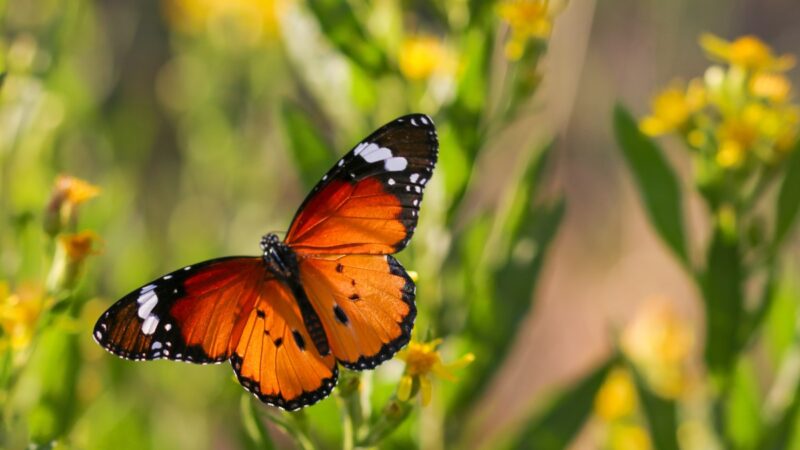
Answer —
192 314
368 203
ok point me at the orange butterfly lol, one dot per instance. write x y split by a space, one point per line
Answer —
329 292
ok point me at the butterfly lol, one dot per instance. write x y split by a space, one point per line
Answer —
329 293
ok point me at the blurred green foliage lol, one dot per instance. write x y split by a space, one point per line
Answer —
203 123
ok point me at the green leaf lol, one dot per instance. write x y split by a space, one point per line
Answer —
788 198
743 415
658 185
660 413
558 425
724 301
342 28
783 432
311 153
253 425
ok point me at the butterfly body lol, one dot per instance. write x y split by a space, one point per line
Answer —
329 293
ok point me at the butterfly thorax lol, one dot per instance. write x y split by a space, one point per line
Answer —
282 262
279 258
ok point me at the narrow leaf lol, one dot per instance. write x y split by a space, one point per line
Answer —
342 28
788 198
560 423
660 414
658 184
724 301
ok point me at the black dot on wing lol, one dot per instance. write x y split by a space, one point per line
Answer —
278 342
298 339
339 268
340 315
354 297
261 313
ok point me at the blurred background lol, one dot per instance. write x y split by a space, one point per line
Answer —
203 123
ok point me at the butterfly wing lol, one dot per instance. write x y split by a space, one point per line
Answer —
368 203
365 304
194 314
276 359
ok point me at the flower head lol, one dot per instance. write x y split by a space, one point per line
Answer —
423 360
423 56
660 344
71 253
528 19
673 108
254 18
746 52
19 312
616 398
68 194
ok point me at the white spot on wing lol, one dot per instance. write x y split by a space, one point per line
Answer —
340 163
150 324
98 335
413 122
374 153
414 177
156 345
423 120
395 164
391 181
168 327
147 288
167 277
147 302
360 148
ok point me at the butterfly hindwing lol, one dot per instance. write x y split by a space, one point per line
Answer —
368 203
192 314
276 359
365 303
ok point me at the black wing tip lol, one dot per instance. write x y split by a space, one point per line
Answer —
307 398
389 349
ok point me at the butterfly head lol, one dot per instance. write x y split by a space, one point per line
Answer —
278 257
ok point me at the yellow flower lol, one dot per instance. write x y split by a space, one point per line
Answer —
422 57
75 190
673 107
255 17
747 52
19 312
629 437
528 19
660 344
616 398
68 194
771 86
422 360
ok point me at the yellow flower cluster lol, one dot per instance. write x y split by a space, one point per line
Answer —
527 19
422 361
737 115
